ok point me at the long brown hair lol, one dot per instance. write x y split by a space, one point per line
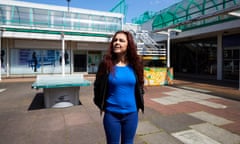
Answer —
133 58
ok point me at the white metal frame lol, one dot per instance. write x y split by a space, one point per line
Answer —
168 33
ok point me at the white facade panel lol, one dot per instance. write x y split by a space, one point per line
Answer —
37 44
92 46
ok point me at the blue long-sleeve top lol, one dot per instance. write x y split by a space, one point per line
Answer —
121 92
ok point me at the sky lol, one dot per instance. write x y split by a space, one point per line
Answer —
135 8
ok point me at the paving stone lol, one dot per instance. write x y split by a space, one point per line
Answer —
211 118
76 118
193 137
189 93
222 135
88 133
159 138
233 127
195 89
171 123
48 137
146 127
177 97
165 100
211 104
2 90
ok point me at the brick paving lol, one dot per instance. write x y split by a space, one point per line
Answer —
176 114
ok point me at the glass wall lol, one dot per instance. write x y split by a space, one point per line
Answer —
196 57
35 61
231 57
53 19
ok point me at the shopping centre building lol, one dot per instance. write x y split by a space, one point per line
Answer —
194 37
33 37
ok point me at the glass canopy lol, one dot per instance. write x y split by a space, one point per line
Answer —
55 19
191 9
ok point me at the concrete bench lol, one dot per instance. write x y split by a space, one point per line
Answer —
60 90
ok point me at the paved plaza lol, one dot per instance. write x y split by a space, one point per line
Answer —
183 113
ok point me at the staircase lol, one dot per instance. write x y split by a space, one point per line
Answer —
147 46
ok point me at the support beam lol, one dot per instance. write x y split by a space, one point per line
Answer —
1 54
219 57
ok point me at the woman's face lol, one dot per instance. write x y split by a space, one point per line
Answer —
120 43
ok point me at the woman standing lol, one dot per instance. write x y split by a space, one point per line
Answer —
118 89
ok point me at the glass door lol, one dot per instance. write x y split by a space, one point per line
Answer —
80 63
93 62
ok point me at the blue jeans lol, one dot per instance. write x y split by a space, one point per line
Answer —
120 125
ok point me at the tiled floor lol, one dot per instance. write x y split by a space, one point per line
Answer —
216 113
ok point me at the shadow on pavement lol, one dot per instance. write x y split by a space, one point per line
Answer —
37 103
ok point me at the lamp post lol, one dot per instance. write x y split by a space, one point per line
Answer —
68 1
63 47
168 33
63 54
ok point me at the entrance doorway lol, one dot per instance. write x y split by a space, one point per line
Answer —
80 63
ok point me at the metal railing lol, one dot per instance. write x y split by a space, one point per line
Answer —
147 46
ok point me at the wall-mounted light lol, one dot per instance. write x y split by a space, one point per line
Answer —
235 13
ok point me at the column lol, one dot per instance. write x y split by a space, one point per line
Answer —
219 57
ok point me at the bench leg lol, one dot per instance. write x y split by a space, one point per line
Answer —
53 97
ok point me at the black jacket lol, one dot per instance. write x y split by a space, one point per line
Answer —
101 92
